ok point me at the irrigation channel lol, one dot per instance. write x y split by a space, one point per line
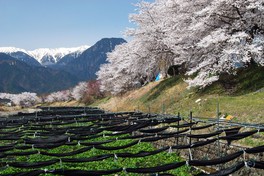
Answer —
67 140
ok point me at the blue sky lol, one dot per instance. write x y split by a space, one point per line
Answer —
32 24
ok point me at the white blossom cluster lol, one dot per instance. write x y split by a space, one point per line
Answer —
76 93
206 37
25 99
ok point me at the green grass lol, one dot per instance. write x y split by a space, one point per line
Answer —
160 88
100 101
245 81
241 96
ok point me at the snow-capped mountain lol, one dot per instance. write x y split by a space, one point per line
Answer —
8 50
66 66
20 54
45 56
88 63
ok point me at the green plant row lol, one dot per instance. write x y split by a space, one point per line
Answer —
107 164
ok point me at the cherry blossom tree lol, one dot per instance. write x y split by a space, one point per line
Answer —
59 96
127 71
231 36
93 92
206 37
25 99
78 92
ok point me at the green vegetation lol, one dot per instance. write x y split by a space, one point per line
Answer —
160 88
247 80
107 164
240 95
253 142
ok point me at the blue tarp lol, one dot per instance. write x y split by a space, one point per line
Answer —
158 77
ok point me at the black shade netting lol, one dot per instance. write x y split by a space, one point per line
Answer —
152 139
111 123
11 137
23 147
221 160
181 146
183 125
80 160
238 136
10 132
141 153
204 135
22 153
82 150
163 174
79 137
138 126
202 127
117 128
257 149
51 133
6 148
173 133
85 132
137 136
33 165
232 131
2 155
48 146
118 133
162 168
171 120
29 173
7 132
256 164
154 130
49 140
85 173
202 143
116 147
227 171
95 143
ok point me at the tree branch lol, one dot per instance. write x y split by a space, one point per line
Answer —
238 12
224 16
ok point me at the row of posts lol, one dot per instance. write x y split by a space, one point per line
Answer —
190 131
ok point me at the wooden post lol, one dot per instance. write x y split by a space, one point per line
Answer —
178 123
149 109
190 139
218 128
163 107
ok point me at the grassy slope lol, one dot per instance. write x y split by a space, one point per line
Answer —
237 96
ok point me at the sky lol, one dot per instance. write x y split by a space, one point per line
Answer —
32 24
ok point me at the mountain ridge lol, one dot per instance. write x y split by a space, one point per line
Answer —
17 76
82 65
68 71
45 56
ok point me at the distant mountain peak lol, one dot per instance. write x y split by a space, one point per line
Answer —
88 63
20 54
56 54
11 50
45 56
63 67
